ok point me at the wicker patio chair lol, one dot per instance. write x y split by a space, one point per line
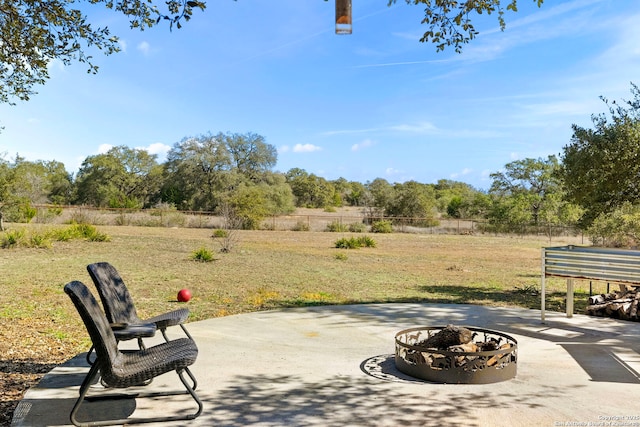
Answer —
118 304
123 369
120 310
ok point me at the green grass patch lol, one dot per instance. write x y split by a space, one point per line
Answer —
203 255
355 242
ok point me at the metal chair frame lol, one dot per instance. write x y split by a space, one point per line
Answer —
124 369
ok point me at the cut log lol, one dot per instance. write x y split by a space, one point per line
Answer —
624 310
633 313
596 299
597 309
449 336
467 347
494 359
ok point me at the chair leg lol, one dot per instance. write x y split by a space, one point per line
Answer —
166 338
193 378
93 372
84 387
186 332
89 361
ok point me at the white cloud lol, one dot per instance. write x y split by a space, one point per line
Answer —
103 148
157 148
284 149
392 171
364 144
305 148
144 47
465 171
123 45
55 64
422 127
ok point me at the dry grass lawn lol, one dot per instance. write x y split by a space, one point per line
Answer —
267 269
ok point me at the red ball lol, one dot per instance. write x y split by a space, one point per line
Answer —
184 295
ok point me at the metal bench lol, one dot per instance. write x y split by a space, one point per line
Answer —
588 263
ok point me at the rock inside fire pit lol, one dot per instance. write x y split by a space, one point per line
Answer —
455 354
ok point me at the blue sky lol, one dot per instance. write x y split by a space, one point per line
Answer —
374 104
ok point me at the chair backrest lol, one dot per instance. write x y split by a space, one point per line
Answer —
96 323
116 299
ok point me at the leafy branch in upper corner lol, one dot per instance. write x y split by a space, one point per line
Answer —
36 32
450 23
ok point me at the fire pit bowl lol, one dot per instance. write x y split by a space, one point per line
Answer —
454 365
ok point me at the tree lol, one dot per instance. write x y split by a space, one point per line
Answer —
250 154
381 193
310 191
123 177
619 228
530 181
35 32
24 183
601 166
198 172
450 23
413 200
5 177
455 198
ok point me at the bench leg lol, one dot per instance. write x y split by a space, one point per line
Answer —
569 297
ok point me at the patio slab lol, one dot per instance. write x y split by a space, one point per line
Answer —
333 366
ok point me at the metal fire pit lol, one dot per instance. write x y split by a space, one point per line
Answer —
456 367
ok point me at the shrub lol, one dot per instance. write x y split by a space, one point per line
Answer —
619 228
301 226
21 212
39 241
82 216
47 215
89 232
383 226
220 233
11 238
202 255
346 243
79 231
62 235
355 242
367 242
341 256
336 227
357 227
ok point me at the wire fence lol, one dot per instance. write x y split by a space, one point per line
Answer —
308 220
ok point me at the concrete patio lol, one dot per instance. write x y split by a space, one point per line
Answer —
333 366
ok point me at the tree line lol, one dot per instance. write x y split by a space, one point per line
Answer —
593 184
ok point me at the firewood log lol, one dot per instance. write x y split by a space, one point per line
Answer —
633 313
494 359
449 336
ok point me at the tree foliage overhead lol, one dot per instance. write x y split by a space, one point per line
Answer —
450 22
35 32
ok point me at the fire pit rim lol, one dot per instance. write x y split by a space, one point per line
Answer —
514 346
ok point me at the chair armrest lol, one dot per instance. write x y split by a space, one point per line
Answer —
128 331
